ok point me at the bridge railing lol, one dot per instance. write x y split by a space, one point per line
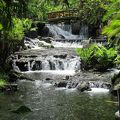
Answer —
63 14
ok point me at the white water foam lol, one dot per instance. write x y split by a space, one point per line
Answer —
56 72
67 44
98 91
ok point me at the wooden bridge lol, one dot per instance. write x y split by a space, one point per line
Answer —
63 15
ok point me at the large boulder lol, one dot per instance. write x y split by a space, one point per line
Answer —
31 34
42 30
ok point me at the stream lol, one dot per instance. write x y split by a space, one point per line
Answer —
48 67
49 103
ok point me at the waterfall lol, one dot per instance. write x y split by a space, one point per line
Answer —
47 63
59 33
65 27
84 32
65 31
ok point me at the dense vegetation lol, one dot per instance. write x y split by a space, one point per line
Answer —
97 57
16 17
113 17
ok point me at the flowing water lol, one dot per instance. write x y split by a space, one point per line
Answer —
46 101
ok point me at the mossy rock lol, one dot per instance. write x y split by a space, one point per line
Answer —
22 110
116 79
115 84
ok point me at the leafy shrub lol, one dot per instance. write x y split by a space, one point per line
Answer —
96 57
117 61
16 33
26 24
2 82
113 17
3 79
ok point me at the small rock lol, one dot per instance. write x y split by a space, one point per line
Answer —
48 79
22 110
9 88
61 84
61 56
84 86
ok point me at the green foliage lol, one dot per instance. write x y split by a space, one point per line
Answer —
38 9
11 8
26 24
112 9
113 17
3 79
2 82
1 27
97 57
117 61
16 32
92 11
85 55
113 29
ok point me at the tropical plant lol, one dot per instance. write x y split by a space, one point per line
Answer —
16 32
112 30
2 83
11 8
38 9
3 79
97 57
117 61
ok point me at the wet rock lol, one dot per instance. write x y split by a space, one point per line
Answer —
61 56
72 84
40 26
32 34
13 76
9 88
83 86
48 79
66 77
45 44
22 110
47 39
99 84
37 65
106 85
43 32
61 84
115 84
22 65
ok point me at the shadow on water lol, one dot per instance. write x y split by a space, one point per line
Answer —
47 103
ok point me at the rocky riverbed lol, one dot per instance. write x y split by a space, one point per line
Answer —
60 67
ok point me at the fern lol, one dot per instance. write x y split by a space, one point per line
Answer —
113 16
97 57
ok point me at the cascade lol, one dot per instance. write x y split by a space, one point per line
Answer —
84 32
46 63
61 37
58 32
